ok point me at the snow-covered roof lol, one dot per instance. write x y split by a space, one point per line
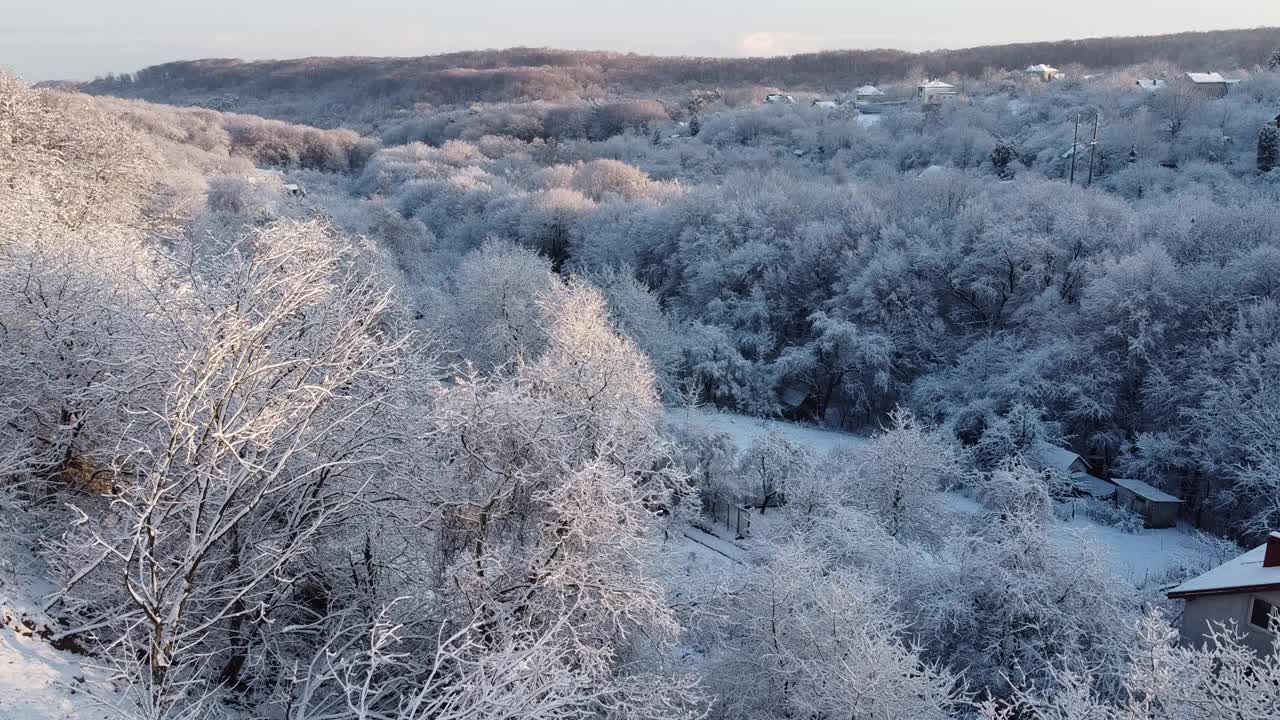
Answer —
826 103
1151 83
1207 78
1042 68
938 85
1052 457
1094 487
1245 573
1143 490
868 90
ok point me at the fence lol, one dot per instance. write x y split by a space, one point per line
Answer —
734 517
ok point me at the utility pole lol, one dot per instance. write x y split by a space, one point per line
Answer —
1075 145
1093 146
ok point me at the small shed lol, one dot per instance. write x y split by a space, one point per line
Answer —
1151 84
295 190
779 99
826 104
1158 508
868 94
1212 84
1059 459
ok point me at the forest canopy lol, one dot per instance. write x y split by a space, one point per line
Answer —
351 389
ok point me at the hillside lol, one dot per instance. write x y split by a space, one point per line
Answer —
542 385
360 91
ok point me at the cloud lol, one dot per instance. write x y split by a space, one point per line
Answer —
769 43
775 42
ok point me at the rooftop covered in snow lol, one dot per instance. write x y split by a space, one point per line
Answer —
1092 486
1145 491
1209 78
1248 573
1052 457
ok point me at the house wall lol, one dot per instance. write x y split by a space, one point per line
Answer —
936 95
1199 612
1125 499
1213 90
1163 515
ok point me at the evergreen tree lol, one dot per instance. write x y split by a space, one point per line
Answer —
1268 148
1273 61
1001 157
694 126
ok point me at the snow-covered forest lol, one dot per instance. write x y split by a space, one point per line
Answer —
433 415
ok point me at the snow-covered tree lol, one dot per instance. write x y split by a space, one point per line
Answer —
264 434
1224 680
767 467
812 641
902 473
1010 604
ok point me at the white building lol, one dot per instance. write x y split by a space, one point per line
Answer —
1044 72
1245 590
1158 508
827 104
936 92
779 99
1151 84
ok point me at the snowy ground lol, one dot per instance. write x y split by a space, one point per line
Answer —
37 681
1143 558
744 429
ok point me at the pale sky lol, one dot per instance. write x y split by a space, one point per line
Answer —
78 39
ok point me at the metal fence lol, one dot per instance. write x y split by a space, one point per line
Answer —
733 517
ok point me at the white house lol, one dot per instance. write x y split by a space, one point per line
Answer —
936 92
1245 590
868 94
1044 72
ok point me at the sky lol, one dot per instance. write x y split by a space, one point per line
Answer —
80 39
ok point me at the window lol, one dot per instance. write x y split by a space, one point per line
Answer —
1260 614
